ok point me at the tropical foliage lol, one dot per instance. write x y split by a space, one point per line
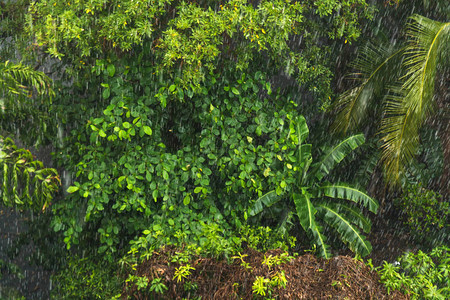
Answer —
313 199
177 121
25 181
190 40
20 79
180 124
421 275
425 211
409 102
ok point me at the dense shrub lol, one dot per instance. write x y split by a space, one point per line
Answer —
87 278
421 275
424 211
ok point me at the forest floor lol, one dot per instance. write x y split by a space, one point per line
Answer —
308 277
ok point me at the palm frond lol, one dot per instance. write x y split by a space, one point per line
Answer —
337 154
410 104
19 79
343 191
375 66
348 232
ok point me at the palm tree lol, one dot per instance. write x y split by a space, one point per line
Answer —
15 77
408 102
24 180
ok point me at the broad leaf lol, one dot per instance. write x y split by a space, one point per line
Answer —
348 232
285 222
353 214
305 210
337 154
304 161
304 154
343 191
266 200
302 129
320 241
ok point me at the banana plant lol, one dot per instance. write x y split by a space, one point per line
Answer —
317 202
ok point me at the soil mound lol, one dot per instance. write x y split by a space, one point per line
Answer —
308 277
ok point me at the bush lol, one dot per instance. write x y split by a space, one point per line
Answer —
87 278
424 210
420 275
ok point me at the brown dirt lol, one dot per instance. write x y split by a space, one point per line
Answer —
308 277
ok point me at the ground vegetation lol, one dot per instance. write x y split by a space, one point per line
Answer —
191 150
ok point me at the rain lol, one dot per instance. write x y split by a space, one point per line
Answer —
224 150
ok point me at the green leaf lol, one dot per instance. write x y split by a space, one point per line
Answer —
97 121
235 91
106 93
101 133
266 200
111 69
348 232
72 189
305 210
342 191
302 129
320 240
198 189
187 199
304 153
172 87
148 130
337 154
357 218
